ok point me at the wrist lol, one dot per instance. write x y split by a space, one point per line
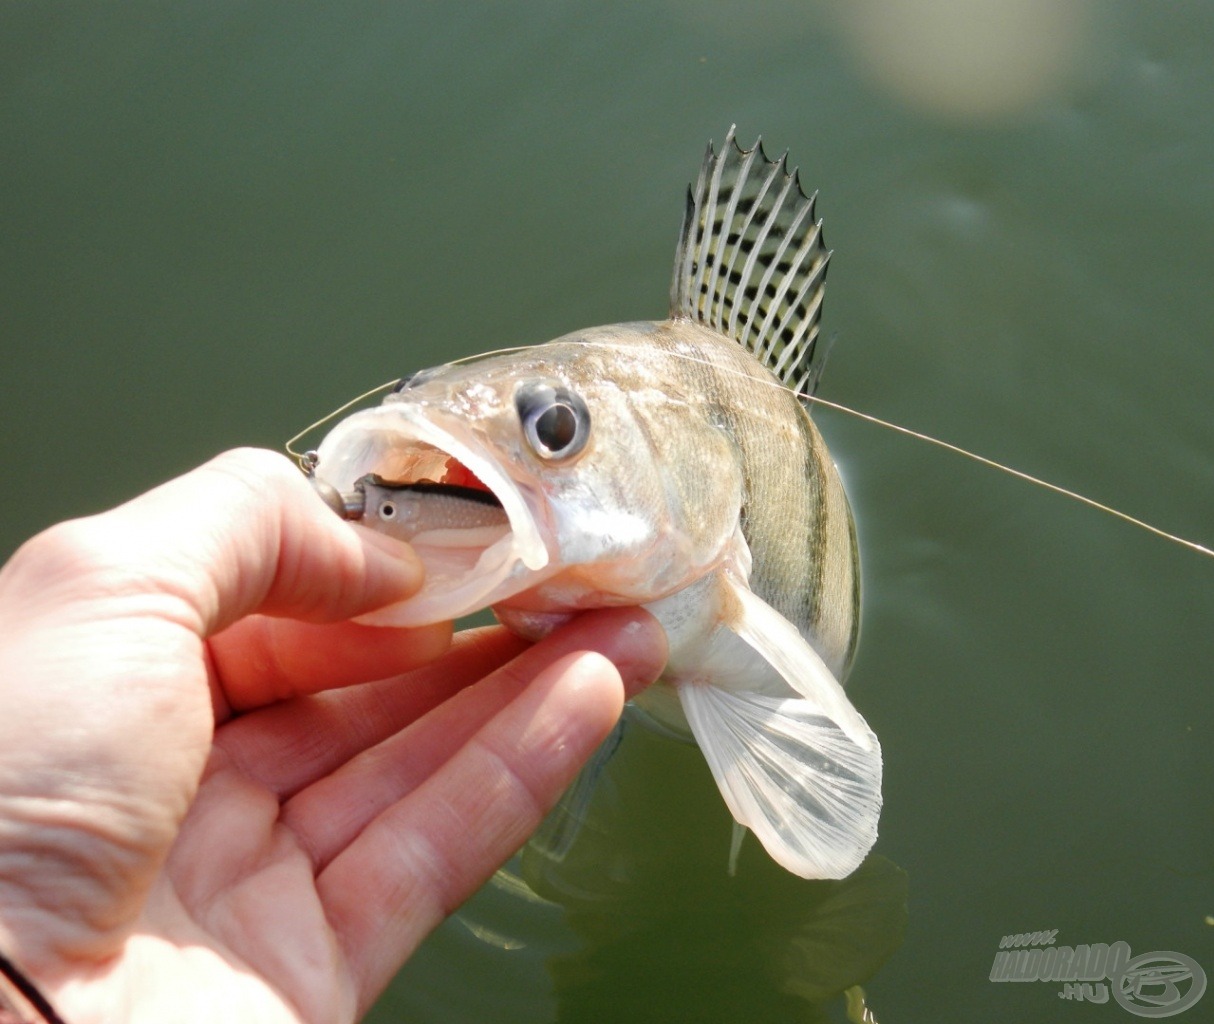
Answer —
21 1002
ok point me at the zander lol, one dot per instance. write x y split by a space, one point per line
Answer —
672 465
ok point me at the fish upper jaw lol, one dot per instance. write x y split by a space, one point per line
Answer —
404 443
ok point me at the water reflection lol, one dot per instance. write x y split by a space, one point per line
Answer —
966 60
970 59
639 920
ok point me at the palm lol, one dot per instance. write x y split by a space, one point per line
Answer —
295 887
235 929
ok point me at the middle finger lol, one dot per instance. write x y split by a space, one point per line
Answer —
290 745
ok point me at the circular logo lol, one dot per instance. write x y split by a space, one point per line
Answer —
1159 984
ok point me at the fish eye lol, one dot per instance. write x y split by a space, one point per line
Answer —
387 510
556 422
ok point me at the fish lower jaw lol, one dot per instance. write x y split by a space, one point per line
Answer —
531 625
460 578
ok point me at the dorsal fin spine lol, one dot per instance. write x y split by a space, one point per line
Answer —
808 326
812 280
710 245
685 253
725 234
753 255
768 272
765 331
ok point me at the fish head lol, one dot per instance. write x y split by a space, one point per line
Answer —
567 449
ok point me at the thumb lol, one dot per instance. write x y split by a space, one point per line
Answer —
243 533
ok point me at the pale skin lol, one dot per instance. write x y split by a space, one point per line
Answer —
220 799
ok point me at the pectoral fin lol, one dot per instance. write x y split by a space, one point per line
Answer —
789 773
802 772
560 828
781 645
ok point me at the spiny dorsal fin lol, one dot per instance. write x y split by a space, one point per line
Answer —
751 263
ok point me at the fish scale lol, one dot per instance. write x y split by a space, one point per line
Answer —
794 512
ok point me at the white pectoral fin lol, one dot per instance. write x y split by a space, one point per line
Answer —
789 773
781 645
804 772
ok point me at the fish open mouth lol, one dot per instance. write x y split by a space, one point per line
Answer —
470 562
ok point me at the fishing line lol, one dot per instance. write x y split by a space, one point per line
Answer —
485 355
957 449
1065 492
299 456
303 457
1082 499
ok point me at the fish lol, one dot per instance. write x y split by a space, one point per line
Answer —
668 464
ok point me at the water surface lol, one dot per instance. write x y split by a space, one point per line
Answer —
220 221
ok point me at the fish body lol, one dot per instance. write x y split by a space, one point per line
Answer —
670 464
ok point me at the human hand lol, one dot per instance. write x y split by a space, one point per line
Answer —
190 829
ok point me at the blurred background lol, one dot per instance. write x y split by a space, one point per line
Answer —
220 221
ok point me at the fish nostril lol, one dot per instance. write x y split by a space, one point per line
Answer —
413 379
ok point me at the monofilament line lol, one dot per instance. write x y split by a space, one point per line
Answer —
1201 549
299 456
336 412
1065 492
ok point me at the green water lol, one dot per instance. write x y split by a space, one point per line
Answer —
219 221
